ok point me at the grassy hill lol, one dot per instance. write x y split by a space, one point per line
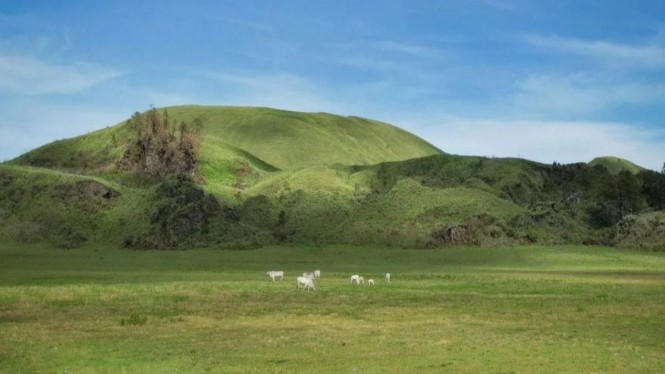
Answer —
615 164
290 140
270 139
239 145
267 176
67 210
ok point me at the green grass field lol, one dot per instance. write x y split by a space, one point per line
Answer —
457 310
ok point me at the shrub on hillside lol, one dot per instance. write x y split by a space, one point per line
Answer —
160 147
182 217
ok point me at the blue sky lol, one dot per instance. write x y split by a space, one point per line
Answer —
564 80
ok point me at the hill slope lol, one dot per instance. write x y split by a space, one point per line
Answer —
266 176
615 164
269 138
289 140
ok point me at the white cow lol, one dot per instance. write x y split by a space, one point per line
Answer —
306 282
370 282
275 274
357 279
387 277
309 275
317 274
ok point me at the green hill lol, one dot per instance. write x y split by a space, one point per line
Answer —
266 176
270 138
615 164
290 140
238 145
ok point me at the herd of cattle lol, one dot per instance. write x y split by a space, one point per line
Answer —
307 279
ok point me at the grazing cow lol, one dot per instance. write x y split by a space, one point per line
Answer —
309 275
370 282
355 279
275 274
306 282
317 274
387 277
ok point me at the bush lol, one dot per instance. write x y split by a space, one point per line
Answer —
182 217
161 148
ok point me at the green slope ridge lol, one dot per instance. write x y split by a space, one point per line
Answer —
68 210
615 164
288 140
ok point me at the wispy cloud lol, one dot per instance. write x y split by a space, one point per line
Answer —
646 55
370 63
544 141
391 47
246 24
29 76
391 60
579 93
283 90
407 48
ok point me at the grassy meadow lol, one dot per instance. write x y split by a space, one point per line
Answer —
456 310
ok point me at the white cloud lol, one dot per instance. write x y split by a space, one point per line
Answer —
387 49
647 55
581 93
30 76
544 141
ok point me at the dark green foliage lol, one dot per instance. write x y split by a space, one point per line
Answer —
653 188
181 218
618 197
257 211
434 171
628 195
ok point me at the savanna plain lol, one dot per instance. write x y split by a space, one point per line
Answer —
449 310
